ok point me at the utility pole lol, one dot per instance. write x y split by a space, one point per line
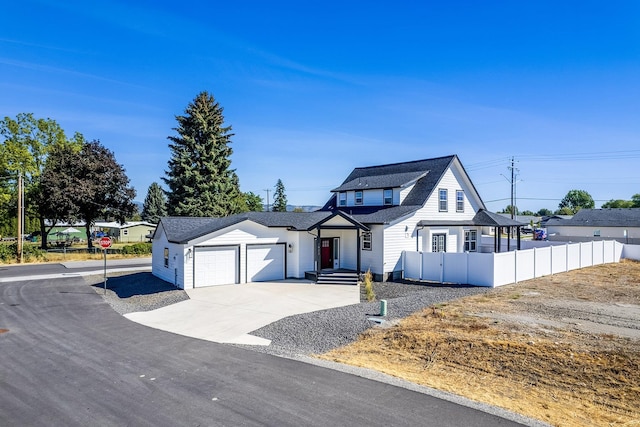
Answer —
513 170
20 217
267 190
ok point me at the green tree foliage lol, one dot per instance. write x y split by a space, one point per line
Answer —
87 185
254 202
527 213
544 212
618 203
155 204
199 177
27 142
576 200
279 198
635 199
509 209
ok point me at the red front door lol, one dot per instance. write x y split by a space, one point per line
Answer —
326 253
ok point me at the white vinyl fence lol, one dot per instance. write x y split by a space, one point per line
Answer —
497 269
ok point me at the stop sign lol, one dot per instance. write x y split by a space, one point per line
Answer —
105 242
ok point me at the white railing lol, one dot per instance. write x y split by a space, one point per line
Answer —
497 269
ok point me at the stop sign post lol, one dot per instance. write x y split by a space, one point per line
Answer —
105 243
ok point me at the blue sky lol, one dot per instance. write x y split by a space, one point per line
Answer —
314 89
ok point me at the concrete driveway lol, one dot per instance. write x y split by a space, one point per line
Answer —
226 314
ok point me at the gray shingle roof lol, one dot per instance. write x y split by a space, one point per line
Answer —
381 181
184 229
609 217
427 174
482 218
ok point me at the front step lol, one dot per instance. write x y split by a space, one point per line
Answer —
337 278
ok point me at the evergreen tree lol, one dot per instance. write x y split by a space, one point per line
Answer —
279 198
155 204
199 178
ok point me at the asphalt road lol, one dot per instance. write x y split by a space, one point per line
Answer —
67 359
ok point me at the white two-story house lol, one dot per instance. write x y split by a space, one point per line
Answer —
374 215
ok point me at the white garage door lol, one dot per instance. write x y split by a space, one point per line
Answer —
265 262
215 266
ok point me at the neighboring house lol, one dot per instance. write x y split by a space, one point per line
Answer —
621 224
129 232
372 217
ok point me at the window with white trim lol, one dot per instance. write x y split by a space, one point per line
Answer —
596 233
166 257
366 241
125 232
439 243
470 240
343 199
388 197
442 199
459 201
359 197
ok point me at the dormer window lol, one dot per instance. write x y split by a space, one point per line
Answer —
343 199
388 197
359 197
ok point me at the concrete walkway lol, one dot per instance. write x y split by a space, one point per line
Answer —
226 314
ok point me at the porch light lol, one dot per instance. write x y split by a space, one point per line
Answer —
290 246
189 254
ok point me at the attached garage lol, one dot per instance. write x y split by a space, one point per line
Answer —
266 262
216 265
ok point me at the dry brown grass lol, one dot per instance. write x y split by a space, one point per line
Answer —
506 348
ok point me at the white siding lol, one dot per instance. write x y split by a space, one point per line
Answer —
174 272
451 181
401 235
605 232
374 259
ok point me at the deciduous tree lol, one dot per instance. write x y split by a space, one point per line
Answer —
199 177
254 202
87 185
27 143
576 200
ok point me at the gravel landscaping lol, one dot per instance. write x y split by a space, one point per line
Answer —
320 331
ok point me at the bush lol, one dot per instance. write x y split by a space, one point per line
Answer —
136 249
368 286
9 253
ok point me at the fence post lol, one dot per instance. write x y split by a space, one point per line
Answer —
515 266
566 255
535 260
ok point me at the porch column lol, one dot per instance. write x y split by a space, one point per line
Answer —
518 238
499 238
358 251
509 239
318 256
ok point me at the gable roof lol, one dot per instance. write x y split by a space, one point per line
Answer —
608 217
425 173
184 229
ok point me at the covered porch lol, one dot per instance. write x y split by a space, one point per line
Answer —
481 219
337 250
